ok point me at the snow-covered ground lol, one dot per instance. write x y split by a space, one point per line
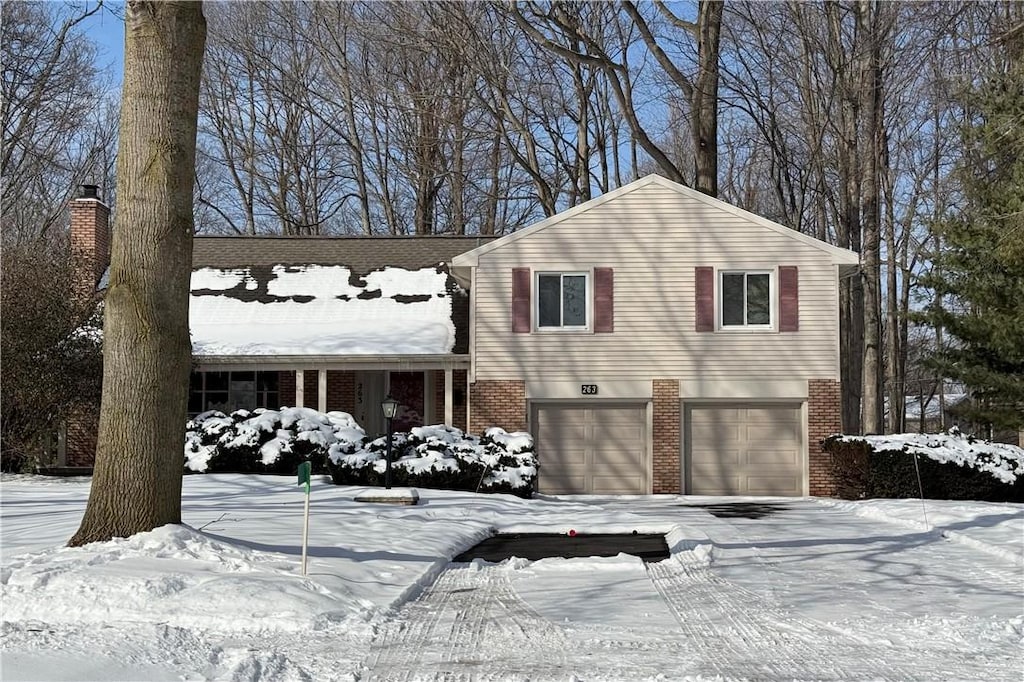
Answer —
809 590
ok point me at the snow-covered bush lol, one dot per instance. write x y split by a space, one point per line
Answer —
883 466
276 441
444 457
268 441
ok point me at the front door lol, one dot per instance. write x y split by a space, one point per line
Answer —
369 395
408 389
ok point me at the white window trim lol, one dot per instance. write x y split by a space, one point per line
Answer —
589 304
773 306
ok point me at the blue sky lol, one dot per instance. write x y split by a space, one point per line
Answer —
106 27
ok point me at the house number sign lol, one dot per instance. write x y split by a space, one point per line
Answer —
588 389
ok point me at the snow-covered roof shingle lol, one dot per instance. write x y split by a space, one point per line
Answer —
269 296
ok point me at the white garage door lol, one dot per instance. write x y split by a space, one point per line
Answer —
591 449
744 449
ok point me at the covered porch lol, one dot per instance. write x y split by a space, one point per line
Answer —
431 389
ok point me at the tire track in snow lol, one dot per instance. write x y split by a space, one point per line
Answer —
740 634
469 625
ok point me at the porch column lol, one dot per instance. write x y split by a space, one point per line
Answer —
448 397
300 388
469 404
321 394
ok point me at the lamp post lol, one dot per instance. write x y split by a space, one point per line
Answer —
389 406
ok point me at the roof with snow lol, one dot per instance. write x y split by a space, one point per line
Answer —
360 254
339 296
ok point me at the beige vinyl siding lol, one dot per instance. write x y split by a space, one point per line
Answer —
654 237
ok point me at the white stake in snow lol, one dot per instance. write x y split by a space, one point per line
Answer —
304 471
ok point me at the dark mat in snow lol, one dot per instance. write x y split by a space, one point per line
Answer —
741 510
534 546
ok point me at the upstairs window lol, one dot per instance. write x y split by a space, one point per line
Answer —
562 300
746 299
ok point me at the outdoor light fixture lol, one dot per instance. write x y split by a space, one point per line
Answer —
390 407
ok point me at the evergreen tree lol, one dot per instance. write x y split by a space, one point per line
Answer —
979 271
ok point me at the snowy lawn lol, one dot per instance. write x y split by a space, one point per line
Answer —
814 590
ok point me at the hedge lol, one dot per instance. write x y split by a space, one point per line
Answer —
444 457
276 441
952 467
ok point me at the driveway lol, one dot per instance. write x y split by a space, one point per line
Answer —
801 592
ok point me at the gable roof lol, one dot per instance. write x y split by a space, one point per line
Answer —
837 254
358 253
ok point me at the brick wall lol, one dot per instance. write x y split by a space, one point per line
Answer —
824 417
83 426
90 244
666 466
286 388
459 395
341 389
498 403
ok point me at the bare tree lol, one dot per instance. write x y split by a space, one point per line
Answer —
58 127
146 356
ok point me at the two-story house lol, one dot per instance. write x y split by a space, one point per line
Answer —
657 340
654 340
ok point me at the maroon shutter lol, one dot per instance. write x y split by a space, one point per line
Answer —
789 299
705 288
521 300
604 300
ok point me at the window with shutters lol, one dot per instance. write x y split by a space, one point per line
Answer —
562 300
745 299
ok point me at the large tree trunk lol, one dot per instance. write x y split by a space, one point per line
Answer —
848 228
871 93
705 98
137 481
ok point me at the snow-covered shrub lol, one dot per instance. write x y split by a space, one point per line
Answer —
883 466
268 441
444 457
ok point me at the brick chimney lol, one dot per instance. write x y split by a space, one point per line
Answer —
90 241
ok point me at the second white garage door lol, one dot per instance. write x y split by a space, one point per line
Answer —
744 449
591 449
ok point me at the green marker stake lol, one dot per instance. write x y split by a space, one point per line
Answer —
304 470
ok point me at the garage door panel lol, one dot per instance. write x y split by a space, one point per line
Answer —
616 485
720 415
770 435
711 435
765 485
717 459
621 436
745 449
562 485
625 455
591 449
771 458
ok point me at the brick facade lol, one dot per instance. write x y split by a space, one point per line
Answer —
286 388
83 425
667 468
90 244
459 395
498 403
341 390
824 417
90 256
